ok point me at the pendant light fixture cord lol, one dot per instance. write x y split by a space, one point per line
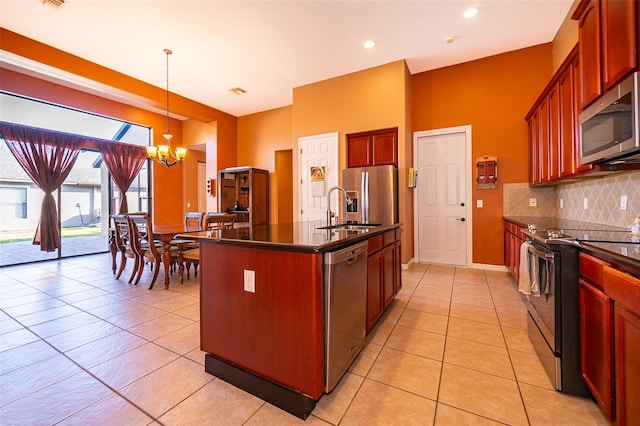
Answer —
168 52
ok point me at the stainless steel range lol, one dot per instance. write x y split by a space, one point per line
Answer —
553 322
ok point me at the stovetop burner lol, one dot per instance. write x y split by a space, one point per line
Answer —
571 236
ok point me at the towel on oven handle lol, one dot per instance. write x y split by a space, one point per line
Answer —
524 281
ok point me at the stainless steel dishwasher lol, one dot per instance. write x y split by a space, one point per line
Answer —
345 289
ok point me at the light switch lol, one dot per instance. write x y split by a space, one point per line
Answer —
623 203
585 203
562 203
479 204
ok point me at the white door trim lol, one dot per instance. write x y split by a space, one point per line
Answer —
466 129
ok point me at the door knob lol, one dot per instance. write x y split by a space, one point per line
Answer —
461 219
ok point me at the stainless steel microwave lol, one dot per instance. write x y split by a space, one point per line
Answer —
609 127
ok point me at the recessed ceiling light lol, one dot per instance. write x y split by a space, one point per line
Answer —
237 91
369 44
450 40
470 13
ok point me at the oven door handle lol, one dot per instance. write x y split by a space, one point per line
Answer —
540 254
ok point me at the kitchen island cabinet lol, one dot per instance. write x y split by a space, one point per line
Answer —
383 274
262 307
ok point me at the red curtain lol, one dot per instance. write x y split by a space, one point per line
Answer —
124 163
47 157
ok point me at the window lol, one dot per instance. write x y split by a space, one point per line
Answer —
13 202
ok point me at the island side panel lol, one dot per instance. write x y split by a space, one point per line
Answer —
276 332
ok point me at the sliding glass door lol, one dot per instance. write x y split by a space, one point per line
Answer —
85 200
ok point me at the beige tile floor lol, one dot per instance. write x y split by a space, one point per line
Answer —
78 347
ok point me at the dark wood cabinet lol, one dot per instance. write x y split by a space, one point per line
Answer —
607 44
383 274
627 348
610 337
589 48
513 239
596 341
374 288
624 289
245 192
553 128
373 148
619 55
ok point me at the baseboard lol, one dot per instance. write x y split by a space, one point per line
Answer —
409 263
488 267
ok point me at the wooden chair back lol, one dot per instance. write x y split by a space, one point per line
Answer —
194 221
220 221
121 231
142 241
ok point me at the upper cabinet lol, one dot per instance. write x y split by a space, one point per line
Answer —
373 148
553 127
607 44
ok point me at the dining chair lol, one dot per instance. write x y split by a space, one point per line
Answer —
122 235
186 258
144 245
220 220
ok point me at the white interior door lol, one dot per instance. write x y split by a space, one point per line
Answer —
442 231
319 151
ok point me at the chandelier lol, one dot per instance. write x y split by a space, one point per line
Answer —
163 153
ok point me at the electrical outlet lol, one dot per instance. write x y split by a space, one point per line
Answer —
585 203
623 203
533 202
562 203
249 281
479 204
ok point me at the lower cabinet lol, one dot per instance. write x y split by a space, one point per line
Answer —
596 345
513 239
624 289
383 274
610 338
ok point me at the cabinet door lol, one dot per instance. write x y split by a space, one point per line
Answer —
532 126
388 273
543 142
553 101
627 348
596 345
374 288
359 151
567 123
385 149
589 53
618 40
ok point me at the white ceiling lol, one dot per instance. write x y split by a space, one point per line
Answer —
270 47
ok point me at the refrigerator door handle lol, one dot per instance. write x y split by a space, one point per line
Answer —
365 196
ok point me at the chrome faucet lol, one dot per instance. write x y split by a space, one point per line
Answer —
330 214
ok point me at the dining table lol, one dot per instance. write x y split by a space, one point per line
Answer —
165 233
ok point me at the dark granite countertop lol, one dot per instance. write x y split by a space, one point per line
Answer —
620 252
296 236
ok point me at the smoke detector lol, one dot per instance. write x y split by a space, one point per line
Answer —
53 3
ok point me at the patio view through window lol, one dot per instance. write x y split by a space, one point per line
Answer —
86 198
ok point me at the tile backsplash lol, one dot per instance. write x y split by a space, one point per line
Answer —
603 197
516 199
603 200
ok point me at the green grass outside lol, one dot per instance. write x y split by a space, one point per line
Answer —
27 235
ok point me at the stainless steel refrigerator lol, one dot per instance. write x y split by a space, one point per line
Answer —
374 192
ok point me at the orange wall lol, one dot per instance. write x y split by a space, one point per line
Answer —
168 203
259 136
492 95
366 100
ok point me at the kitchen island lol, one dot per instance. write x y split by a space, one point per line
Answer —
262 304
